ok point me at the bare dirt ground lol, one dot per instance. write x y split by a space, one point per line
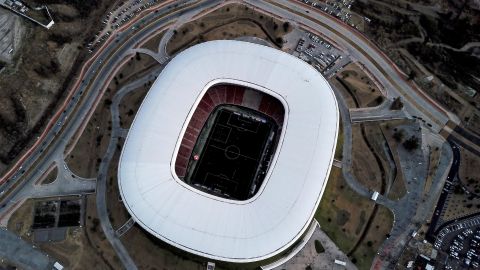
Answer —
398 188
41 72
469 168
82 160
352 222
152 43
342 213
433 165
440 36
130 105
461 204
364 165
77 251
11 32
49 176
379 230
361 86
117 213
22 219
228 22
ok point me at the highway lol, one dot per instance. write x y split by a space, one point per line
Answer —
82 104
101 68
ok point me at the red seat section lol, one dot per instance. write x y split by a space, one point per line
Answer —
217 95
239 91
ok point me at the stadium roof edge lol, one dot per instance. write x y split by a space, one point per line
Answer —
213 228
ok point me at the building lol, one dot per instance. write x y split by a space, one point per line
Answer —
205 105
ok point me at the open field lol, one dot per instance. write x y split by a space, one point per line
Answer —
398 188
379 230
22 219
364 165
49 176
130 104
468 172
152 43
228 22
360 86
117 213
438 35
77 251
342 213
41 71
82 160
378 145
460 204
433 165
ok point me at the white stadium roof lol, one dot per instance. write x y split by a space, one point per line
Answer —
218 228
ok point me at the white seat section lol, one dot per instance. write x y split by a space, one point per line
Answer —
219 228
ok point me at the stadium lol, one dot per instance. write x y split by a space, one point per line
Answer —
230 151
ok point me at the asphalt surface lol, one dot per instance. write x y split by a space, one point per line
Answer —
447 188
81 105
99 71
21 253
381 112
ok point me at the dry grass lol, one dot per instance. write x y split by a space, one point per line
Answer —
49 176
381 226
85 157
228 22
36 81
364 164
117 212
398 188
130 105
361 86
342 212
468 171
22 219
153 42
460 205
433 165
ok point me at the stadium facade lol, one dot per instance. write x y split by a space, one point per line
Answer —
230 152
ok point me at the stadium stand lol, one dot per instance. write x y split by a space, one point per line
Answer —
218 95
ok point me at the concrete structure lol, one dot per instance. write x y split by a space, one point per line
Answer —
218 228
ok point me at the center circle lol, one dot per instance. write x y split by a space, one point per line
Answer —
232 152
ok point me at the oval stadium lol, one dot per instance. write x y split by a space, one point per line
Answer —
230 151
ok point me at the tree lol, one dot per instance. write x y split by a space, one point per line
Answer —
397 104
398 135
318 247
411 75
411 143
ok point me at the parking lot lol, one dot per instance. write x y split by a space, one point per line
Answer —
460 244
120 15
320 53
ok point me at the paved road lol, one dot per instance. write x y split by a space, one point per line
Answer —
22 253
101 69
358 48
381 112
82 104
439 208
101 200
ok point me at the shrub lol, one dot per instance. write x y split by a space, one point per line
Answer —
318 247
